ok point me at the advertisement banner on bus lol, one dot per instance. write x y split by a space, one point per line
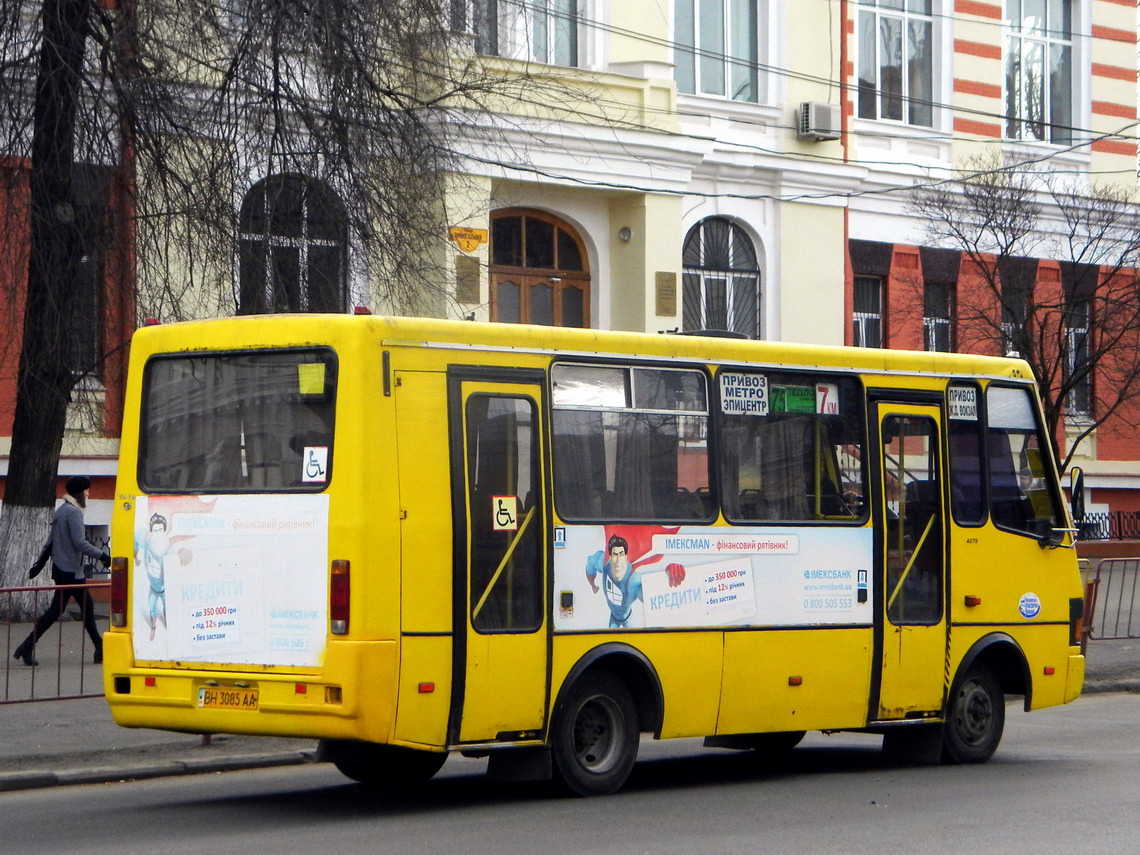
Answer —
231 579
634 576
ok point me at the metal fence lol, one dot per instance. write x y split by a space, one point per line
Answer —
66 669
1112 599
1110 525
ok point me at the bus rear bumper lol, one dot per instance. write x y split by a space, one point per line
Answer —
271 702
1075 679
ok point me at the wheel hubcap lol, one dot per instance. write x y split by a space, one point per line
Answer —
597 729
974 713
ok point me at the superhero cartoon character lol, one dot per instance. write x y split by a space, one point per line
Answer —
621 568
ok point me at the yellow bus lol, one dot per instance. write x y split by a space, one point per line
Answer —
408 537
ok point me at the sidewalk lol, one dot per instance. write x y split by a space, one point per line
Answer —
53 743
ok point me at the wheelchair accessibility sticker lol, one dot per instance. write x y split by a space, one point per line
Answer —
316 465
506 513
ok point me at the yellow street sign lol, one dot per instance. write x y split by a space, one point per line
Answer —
468 239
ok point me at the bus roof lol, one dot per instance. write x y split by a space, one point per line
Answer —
256 331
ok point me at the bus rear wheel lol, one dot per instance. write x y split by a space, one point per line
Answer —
391 768
975 718
595 736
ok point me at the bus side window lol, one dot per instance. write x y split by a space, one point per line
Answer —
630 443
964 429
794 456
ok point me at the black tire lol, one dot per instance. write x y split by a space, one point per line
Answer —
595 736
391 768
975 718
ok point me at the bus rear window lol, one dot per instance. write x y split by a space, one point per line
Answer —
254 421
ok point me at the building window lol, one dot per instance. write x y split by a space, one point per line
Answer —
1078 371
292 248
717 48
93 224
543 31
721 279
539 272
868 312
937 317
1039 70
896 61
1014 315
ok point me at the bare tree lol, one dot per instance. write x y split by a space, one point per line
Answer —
1082 336
139 130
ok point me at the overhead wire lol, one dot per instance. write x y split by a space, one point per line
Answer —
782 71
1092 137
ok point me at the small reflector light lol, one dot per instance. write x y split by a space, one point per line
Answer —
427 688
972 600
1050 670
795 681
151 682
300 689
152 322
361 310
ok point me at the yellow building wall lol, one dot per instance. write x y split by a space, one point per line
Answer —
811 252
645 271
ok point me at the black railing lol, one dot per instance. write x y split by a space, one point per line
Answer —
65 655
1110 525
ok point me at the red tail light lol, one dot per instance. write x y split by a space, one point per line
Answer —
119 591
339 598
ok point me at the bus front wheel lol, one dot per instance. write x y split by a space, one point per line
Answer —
391 768
975 718
595 736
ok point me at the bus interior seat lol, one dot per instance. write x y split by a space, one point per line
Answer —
686 505
751 505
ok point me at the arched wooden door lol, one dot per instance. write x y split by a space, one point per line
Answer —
539 270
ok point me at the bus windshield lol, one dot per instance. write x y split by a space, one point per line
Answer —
238 422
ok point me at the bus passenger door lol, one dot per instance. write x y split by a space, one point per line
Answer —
500 634
910 544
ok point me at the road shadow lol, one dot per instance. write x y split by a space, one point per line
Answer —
469 788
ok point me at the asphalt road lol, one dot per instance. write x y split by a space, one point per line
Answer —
1065 780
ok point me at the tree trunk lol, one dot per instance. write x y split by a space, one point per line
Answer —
22 534
46 375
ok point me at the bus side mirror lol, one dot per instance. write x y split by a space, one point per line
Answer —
1077 493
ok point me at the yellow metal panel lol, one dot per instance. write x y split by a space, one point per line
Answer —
425 501
687 664
834 666
363 672
1075 676
506 675
992 564
421 715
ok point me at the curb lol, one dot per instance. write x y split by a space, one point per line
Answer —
1130 685
32 780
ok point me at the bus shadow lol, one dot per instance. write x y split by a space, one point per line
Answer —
473 789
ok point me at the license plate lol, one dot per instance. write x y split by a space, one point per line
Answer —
226 698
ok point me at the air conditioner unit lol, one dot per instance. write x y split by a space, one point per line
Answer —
817 122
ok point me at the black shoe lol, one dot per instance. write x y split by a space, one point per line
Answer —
99 655
25 654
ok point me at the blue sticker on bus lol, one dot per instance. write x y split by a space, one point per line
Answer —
1029 606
